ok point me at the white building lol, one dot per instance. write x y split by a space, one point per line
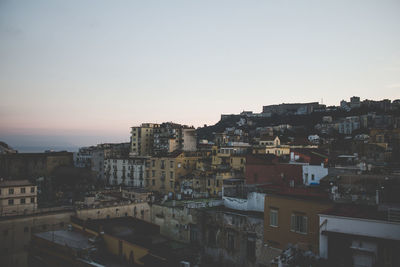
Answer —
314 138
352 235
349 125
189 139
126 172
312 174
82 159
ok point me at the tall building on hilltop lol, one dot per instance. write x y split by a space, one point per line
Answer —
159 139
142 139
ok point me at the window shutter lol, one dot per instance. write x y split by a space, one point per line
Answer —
305 226
293 223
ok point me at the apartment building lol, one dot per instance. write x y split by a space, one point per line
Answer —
142 139
17 197
125 171
164 173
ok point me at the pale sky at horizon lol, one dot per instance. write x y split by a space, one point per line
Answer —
83 72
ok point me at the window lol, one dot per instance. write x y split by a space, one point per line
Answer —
11 191
251 247
231 242
23 190
162 164
171 164
255 177
153 163
212 238
171 175
208 182
273 217
22 201
217 183
153 173
171 184
32 200
153 182
26 229
193 234
298 223
11 202
312 177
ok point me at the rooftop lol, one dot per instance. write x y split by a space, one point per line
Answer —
11 183
357 211
72 239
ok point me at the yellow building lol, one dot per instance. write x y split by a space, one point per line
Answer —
271 145
277 151
270 141
142 139
163 173
238 163
214 182
233 156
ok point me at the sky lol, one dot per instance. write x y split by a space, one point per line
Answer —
80 72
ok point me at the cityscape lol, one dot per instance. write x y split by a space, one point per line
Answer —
207 133
298 184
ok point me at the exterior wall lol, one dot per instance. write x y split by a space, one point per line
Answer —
277 151
254 202
161 173
189 139
15 234
214 183
313 173
112 245
238 163
273 173
128 172
23 165
98 164
137 210
136 196
174 222
227 237
280 236
54 160
131 253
